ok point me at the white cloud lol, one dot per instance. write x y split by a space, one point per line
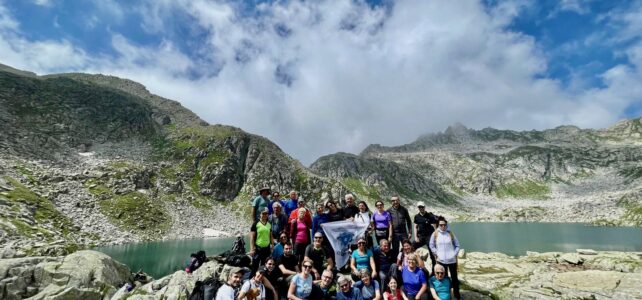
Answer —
318 77
43 2
577 6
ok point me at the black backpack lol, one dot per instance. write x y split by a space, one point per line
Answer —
205 290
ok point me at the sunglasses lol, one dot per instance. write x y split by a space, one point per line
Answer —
361 243
318 238
326 277
344 285
439 273
307 266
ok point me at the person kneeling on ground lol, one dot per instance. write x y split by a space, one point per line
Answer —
440 285
228 290
258 282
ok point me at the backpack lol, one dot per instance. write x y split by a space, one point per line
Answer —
452 236
205 290
238 260
196 261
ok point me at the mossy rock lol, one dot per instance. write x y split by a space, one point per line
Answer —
135 211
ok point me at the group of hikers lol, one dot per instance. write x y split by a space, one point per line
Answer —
292 257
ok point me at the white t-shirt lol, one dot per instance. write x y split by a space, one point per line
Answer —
225 292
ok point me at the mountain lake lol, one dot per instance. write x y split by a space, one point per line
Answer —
165 257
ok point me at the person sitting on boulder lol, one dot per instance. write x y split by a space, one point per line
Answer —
258 282
228 291
273 274
288 264
440 285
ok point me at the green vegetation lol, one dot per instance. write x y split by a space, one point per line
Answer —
631 173
356 186
45 211
27 173
136 211
213 157
524 189
96 187
633 208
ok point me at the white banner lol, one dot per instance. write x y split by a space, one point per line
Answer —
341 234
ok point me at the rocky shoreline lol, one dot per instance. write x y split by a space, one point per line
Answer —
585 274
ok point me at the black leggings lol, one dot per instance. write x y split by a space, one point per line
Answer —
452 269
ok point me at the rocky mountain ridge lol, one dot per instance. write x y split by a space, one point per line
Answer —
94 159
588 175
116 164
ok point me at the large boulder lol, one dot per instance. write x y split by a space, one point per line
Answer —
82 275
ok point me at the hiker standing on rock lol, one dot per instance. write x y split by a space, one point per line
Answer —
445 246
261 240
425 225
401 224
260 202
382 223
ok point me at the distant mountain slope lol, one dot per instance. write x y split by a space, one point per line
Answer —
488 165
123 164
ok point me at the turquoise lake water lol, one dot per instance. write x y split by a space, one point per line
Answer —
165 257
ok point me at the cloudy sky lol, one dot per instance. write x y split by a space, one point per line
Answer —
318 77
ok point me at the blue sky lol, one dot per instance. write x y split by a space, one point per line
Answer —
349 73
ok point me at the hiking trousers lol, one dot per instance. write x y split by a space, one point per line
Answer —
452 270
260 255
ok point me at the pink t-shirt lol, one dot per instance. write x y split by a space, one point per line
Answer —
302 233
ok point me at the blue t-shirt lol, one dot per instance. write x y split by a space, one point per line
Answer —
412 281
367 292
277 252
362 261
441 287
290 205
303 286
259 203
352 294
271 209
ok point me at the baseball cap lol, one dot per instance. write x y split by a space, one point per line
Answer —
421 203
